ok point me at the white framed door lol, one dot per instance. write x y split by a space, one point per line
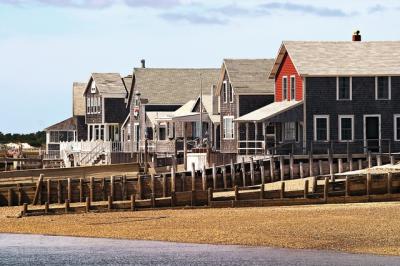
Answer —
372 132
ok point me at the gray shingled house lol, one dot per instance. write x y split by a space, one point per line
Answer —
243 87
159 94
343 96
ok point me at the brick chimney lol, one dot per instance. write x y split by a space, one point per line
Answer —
143 63
356 36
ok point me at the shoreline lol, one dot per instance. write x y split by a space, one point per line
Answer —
339 228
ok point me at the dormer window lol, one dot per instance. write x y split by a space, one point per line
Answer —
93 87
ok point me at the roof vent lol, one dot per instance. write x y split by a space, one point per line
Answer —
143 63
356 36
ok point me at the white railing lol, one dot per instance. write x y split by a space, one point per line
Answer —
52 155
250 146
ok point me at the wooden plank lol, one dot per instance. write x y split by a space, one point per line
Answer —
38 189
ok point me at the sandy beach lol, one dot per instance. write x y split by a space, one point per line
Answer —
359 228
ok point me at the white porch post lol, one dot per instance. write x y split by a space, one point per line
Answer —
255 136
264 137
247 138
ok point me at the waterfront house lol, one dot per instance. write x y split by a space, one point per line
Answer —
342 96
156 94
243 87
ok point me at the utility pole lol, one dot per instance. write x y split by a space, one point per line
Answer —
201 110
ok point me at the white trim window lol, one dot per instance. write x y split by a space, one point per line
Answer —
230 93
289 131
284 88
396 127
321 127
346 128
344 88
225 91
88 105
228 127
93 87
292 87
383 88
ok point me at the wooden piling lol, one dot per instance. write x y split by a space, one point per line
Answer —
282 191
350 161
173 199
330 160
193 177
104 188
321 168
164 185
392 160
243 170
173 180
282 167
204 178
236 189
306 188
262 174
69 190
59 191
110 203
291 166
233 174
112 187
87 209
10 197
272 168
389 183
315 184
46 207
378 160
262 191
153 184
80 189
19 190
25 209
347 187
326 189
91 188
214 176
340 165
193 198
301 170
153 200
67 207
38 189
360 164
133 202
369 184
311 163
369 158
48 190
124 192
139 188
224 178
210 195
252 171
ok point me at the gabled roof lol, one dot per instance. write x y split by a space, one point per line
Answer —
348 58
67 124
108 83
78 101
172 85
248 76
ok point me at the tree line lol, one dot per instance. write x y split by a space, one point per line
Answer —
34 139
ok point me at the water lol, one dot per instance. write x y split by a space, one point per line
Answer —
55 250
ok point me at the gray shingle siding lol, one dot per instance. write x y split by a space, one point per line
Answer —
321 100
249 103
115 110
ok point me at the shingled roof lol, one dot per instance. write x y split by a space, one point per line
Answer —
78 100
109 83
173 85
65 125
248 76
341 58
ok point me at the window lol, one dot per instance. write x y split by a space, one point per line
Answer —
228 127
344 88
289 131
321 128
382 88
88 105
225 91
292 88
93 87
346 128
396 124
162 132
230 93
284 88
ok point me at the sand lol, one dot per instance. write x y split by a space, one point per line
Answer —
360 228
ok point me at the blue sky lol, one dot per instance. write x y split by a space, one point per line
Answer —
45 45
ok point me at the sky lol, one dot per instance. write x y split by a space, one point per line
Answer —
46 45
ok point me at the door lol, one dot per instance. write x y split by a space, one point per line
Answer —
372 132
